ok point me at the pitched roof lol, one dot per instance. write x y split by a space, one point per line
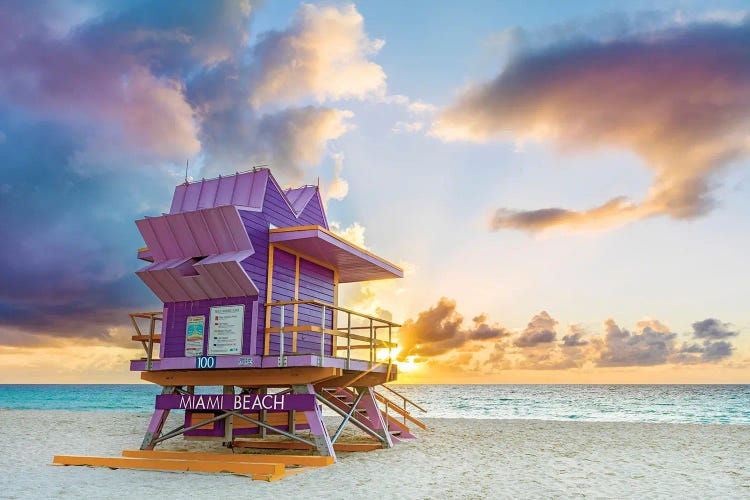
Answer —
246 190
300 197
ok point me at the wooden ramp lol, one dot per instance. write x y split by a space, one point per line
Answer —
259 467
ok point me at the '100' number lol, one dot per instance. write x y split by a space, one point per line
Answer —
205 362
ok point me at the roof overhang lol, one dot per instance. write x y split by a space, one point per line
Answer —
351 262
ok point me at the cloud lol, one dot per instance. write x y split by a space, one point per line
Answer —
324 54
407 127
439 333
677 97
540 330
256 109
574 338
623 348
711 346
420 107
338 187
93 86
441 329
99 109
300 135
713 329
68 271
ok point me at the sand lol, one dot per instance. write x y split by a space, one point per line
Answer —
455 458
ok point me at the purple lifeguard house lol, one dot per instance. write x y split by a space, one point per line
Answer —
248 274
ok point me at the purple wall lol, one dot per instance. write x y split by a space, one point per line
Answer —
176 317
316 282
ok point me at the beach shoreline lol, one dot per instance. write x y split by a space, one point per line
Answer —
454 458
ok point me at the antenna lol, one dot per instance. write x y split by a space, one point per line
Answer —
187 165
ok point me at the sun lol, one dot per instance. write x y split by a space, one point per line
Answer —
409 365
404 366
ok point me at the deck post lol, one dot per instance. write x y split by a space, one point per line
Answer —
372 344
281 337
375 417
157 423
228 422
263 414
348 340
150 351
322 336
390 339
315 421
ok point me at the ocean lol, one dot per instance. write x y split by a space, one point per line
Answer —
719 404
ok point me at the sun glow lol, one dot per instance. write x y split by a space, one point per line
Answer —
406 366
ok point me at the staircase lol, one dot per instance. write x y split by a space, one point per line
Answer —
344 397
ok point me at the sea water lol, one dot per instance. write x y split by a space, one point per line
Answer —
722 404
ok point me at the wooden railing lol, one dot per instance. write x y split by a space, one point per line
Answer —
151 337
401 410
378 332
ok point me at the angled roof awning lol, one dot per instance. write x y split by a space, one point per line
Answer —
351 262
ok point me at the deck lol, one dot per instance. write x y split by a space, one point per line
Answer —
360 352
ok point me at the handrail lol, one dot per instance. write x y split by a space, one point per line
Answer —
331 306
372 342
406 399
147 340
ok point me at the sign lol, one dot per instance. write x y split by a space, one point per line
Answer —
194 334
226 330
205 362
236 402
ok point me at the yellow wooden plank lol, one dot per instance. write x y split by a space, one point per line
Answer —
296 297
249 468
308 460
144 338
269 296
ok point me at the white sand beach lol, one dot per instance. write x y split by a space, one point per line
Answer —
455 458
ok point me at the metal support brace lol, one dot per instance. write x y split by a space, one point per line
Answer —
347 417
270 427
354 421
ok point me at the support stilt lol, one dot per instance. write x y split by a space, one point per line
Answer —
373 414
157 423
315 421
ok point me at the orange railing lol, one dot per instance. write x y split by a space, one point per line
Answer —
378 332
149 338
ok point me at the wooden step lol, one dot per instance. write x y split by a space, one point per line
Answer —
308 460
260 471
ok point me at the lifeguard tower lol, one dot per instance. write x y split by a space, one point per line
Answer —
249 275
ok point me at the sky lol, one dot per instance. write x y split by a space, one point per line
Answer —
565 184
